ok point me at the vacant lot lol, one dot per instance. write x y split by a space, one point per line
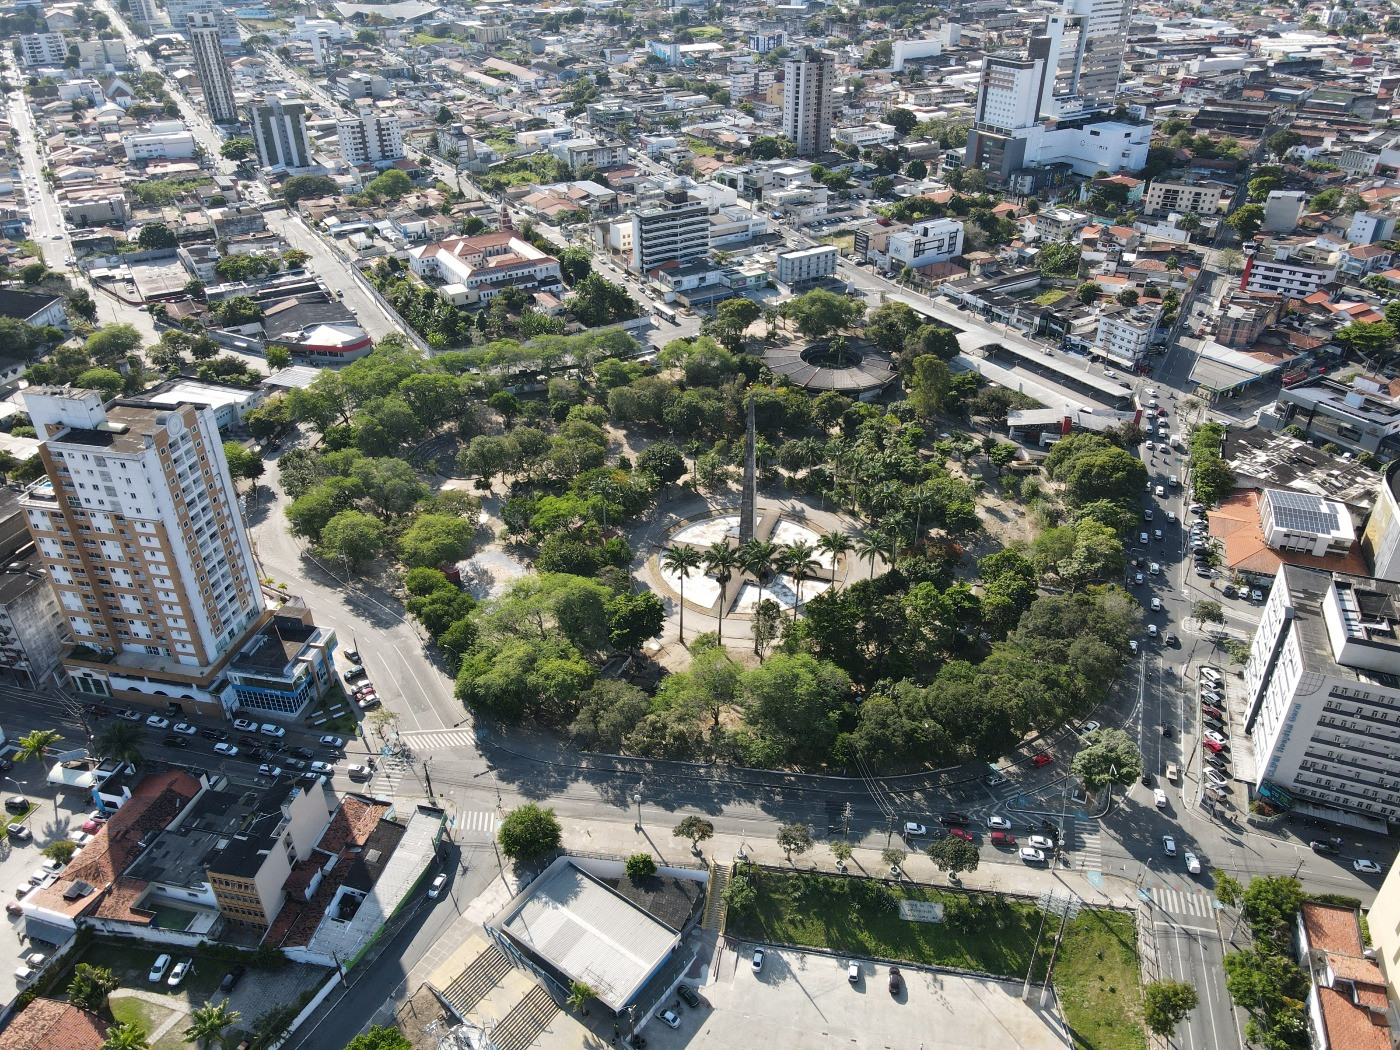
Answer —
1096 970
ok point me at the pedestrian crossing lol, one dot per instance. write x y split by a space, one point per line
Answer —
1088 844
1197 903
436 739
481 821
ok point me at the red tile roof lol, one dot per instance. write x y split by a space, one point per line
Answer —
49 1025
1236 524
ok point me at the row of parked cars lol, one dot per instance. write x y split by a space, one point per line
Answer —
1215 740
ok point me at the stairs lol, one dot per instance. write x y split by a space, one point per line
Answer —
526 1023
477 980
714 898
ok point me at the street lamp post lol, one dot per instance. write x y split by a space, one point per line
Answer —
637 798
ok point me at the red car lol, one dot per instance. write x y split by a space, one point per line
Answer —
1212 746
1003 838
1041 760
364 690
960 833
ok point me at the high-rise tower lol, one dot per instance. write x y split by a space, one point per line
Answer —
279 130
211 67
808 79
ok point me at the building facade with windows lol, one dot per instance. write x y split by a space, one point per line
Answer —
1322 689
675 229
1163 196
42 49
138 527
809 76
807 264
279 132
369 138
211 67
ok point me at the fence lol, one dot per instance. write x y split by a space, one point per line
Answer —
309 1009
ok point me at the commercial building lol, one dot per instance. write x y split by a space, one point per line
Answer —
1283 209
1368 228
179 12
926 241
42 49
1305 523
809 75
1362 416
369 138
138 528
806 264
1163 197
279 131
1283 269
476 269
1125 333
211 67
162 140
1380 539
675 229
1322 691
863 135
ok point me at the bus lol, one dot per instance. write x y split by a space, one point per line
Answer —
664 312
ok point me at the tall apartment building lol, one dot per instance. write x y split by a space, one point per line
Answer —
211 67
179 12
138 528
145 11
675 229
1163 197
1282 210
42 49
1323 691
1125 333
369 138
808 79
1088 40
279 131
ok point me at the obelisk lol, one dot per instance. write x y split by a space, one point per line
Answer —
748 500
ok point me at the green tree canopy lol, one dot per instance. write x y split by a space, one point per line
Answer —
528 832
1108 756
238 148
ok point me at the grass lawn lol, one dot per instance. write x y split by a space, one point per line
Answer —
846 242
1050 297
704 34
127 1008
700 147
1097 978
981 931
131 964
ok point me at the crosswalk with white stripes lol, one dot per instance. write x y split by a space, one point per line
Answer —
1198 904
1088 844
436 739
482 821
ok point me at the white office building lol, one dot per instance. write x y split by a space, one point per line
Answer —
806 264
1281 270
674 229
809 76
369 138
279 130
211 67
179 12
138 526
145 11
1322 693
162 140
925 242
42 49
1305 523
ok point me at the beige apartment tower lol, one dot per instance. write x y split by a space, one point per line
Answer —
808 79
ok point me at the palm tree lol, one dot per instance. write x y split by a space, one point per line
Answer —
129 1036
800 562
720 562
872 545
120 742
37 744
209 1023
682 561
579 994
837 544
758 558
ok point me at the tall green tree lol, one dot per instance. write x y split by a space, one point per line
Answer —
528 832
1107 756
209 1024
682 561
1166 1004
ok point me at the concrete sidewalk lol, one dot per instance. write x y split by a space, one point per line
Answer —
616 839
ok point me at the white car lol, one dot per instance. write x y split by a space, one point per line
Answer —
1089 727
322 767
1143 539
183 969
226 749
1154 569
913 830
1160 492
245 724
1152 630
435 890
1041 842
1212 735
332 741
25 974
1110 373
998 823
757 960
185 728
1133 644
267 769
1156 604
1031 855
268 729
1159 798
358 772
158 969
1366 866
156 722
1169 845
669 1018
1215 778
1193 862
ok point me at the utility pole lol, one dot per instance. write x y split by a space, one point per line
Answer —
428 778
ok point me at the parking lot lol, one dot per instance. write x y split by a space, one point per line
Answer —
806 999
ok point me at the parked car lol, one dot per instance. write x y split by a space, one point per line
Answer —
952 817
691 999
129 715
171 740
1211 734
1089 727
1159 798
1212 746
852 974
268 729
353 656
245 725
185 728
1003 838
1325 848
183 969
914 830
232 978
226 749
1031 855
332 741
1169 845
358 772
158 969
435 890
25 975
157 722
19 833
322 767
361 690
758 960
355 674
1215 778
267 769
17 804
895 982
1041 760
